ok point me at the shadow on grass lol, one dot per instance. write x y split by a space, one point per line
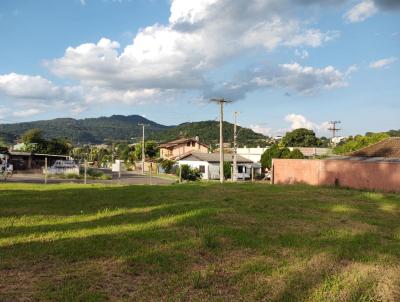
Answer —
173 231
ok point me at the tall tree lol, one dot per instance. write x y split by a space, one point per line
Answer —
301 137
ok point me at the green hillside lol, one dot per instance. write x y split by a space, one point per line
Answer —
208 132
84 131
126 128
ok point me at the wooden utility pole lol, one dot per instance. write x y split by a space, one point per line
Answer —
221 103
234 174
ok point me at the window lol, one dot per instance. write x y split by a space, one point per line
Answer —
193 144
188 144
202 169
240 169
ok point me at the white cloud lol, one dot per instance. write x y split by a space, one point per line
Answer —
165 60
25 86
261 129
361 11
382 63
177 56
26 113
299 121
302 54
294 77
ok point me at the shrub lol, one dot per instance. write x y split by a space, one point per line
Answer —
167 165
188 173
276 152
227 170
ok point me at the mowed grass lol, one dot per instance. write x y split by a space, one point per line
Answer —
198 242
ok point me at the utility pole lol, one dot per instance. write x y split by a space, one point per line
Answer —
143 154
235 148
333 128
221 102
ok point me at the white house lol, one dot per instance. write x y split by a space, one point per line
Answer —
208 164
254 154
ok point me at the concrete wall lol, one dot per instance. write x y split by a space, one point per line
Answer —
383 176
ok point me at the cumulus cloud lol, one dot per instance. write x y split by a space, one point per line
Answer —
26 113
261 129
177 56
165 60
295 121
383 63
294 77
299 121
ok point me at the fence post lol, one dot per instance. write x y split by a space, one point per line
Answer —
119 169
272 172
180 174
85 171
45 170
151 170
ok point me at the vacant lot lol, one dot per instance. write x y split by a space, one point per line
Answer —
198 243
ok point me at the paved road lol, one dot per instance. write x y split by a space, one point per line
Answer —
128 178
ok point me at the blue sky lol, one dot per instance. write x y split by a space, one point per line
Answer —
286 63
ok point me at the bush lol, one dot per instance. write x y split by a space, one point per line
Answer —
227 170
358 142
167 165
93 174
188 173
276 152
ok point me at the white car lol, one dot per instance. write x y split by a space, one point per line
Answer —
64 164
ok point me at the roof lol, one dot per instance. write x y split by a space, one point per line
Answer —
179 142
388 148
311 151
20 153
366 159
212 157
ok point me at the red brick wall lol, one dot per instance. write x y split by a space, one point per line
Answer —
383 176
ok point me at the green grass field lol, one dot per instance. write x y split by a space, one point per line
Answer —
198 242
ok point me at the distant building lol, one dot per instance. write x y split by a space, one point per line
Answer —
208 164
338 139
254 154
312 152
23 146
28 160
176 148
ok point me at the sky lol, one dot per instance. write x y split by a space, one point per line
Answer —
284 64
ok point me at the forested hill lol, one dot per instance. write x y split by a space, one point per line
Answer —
208 132
125 128
83 131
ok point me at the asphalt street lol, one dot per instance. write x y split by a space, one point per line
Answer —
127 178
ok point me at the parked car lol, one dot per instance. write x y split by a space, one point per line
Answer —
64 164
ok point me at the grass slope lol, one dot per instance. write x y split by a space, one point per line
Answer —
206 242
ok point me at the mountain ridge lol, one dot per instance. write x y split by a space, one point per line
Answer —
103 129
